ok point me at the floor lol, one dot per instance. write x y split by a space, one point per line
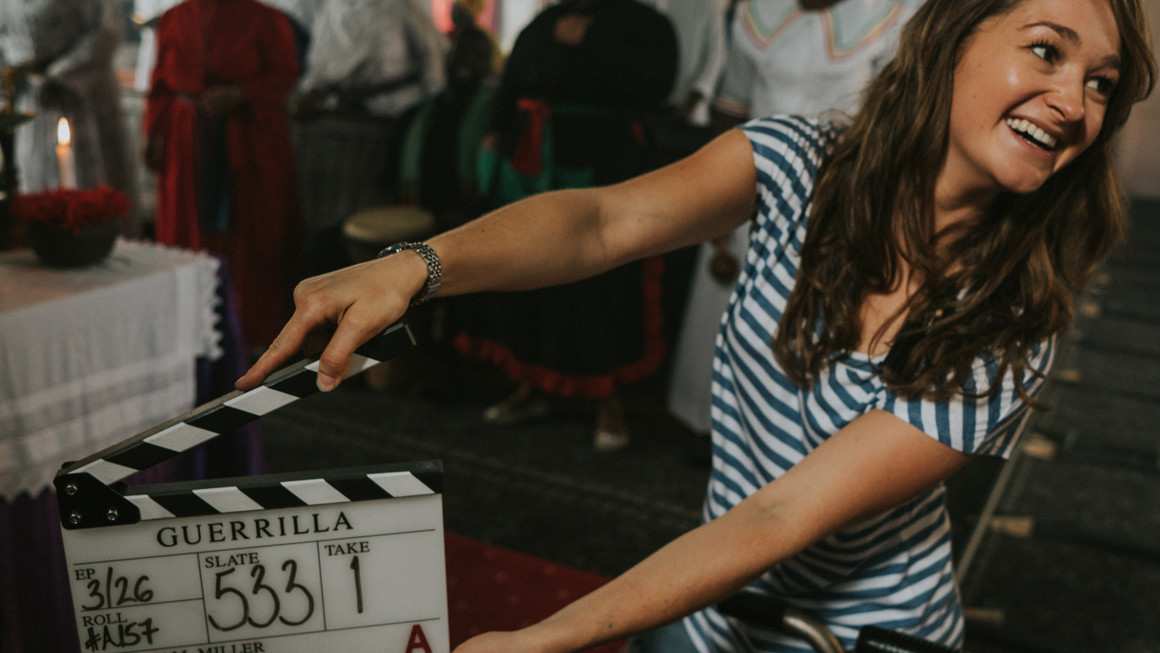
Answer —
1059 549
539 487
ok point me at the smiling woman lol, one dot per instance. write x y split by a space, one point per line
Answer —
976 225
1030 96
906 279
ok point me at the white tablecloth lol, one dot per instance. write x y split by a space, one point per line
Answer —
92 356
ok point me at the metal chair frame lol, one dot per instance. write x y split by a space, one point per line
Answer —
770 612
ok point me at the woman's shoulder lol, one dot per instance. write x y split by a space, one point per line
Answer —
790 149
791 136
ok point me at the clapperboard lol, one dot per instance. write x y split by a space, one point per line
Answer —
344 560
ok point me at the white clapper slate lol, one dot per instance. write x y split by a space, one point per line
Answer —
348 560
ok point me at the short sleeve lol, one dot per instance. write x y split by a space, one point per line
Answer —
787 153
973 424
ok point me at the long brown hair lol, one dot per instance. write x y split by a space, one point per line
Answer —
1018 269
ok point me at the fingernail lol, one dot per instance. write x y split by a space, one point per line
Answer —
325 383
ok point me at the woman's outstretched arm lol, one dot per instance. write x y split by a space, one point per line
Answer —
875 463
544 240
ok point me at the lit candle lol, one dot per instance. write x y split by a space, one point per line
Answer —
64 155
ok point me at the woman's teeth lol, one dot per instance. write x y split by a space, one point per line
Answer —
1032 133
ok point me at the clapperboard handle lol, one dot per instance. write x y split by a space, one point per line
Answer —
84 488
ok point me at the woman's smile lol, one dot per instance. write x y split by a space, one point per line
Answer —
1030 132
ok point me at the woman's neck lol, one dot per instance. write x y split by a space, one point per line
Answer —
959 203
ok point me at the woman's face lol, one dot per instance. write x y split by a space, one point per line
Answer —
1030 92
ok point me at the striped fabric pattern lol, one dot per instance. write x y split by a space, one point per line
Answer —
893 570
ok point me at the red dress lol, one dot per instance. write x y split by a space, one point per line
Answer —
202 43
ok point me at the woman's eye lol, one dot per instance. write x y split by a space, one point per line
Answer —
1102 85
1044 51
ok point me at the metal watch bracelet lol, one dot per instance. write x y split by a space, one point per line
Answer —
434 268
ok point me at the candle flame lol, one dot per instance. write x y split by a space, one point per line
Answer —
63 135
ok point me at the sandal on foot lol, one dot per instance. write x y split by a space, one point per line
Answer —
521 406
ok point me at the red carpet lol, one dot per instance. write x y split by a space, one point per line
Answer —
492 588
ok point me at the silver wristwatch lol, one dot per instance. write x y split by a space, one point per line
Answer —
434 269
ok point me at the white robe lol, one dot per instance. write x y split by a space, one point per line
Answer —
364 43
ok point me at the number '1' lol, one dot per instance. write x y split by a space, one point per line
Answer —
357 582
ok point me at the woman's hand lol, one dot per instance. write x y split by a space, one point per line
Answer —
357 302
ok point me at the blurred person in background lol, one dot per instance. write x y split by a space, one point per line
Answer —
441 137
218 139
375 57
577 89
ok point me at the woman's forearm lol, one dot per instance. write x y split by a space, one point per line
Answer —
567 235
550 238
697 569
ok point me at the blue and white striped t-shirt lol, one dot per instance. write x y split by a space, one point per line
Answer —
893 570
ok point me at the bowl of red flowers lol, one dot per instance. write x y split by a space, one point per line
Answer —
70 228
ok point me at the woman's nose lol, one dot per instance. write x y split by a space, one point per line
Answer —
1068 98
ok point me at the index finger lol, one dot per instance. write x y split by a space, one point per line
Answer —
286 344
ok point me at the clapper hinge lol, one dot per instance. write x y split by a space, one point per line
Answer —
86 502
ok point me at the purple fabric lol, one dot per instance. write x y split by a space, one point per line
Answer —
239 453
36 614
37 610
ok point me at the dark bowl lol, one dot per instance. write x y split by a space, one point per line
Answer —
58 248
